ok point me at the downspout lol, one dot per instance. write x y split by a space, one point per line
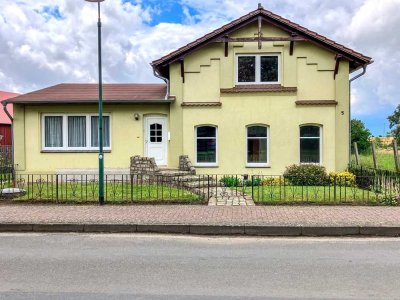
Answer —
12 139
350 81
155 72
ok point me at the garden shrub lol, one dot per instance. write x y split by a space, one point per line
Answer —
306 175
274 181
390 200
365 179
231 181
344 178
255 180
234 181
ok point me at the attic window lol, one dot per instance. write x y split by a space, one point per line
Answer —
258 68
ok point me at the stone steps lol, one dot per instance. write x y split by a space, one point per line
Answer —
199 184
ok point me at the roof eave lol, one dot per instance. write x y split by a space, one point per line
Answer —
155 101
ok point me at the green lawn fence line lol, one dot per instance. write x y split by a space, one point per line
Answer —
115 192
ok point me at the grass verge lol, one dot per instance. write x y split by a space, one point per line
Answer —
323 195
117 193
385 161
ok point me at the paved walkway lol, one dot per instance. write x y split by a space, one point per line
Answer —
223 196
202 215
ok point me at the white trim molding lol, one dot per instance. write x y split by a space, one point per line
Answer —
320 143
206 164
65 147
267 138
258 68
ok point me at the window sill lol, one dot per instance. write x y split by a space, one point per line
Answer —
257 166
206 166
73 151
273 88
313 164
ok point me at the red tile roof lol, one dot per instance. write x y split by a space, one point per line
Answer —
88 93
269 17
4 119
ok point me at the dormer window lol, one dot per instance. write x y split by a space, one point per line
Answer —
258 69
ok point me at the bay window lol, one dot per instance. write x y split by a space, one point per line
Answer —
72 132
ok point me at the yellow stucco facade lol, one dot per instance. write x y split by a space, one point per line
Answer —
206 71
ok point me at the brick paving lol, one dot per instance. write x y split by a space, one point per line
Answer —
203 215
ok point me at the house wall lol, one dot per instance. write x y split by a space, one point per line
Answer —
126 137
207 70
310 69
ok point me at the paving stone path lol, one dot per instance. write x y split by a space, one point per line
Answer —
222 196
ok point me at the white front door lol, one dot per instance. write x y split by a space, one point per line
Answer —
156 139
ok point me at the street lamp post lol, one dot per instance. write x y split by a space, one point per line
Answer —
100 121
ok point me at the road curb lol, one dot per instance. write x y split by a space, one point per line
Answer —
110 228
58 227
196 229
330 230
217 230
158 228
393 231
273 230
16 227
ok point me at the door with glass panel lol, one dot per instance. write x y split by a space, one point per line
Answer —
156 138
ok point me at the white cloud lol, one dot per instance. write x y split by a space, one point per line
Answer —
38 49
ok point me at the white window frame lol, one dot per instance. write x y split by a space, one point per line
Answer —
257 165
258 68
65 132
320 144
207 164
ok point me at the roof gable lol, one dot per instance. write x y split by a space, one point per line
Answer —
296 31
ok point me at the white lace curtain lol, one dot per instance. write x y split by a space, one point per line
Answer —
76 131
53 132
95 131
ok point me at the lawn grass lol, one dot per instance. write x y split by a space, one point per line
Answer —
114 193
385 160
278 195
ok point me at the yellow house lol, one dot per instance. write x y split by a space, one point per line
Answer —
252 97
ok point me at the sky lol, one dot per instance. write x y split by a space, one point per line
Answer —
46 42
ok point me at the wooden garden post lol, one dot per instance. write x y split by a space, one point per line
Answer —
374 155
356 154
396 156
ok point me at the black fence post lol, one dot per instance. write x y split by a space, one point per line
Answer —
56 188
208 186
334 189
252 187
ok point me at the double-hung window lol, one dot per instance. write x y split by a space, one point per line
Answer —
206 146
257 146
258 69
74 132
310 144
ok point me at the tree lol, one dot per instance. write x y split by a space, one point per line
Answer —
394 123
360 134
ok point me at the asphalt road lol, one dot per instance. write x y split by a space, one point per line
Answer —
117 266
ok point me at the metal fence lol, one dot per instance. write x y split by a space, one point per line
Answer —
6 166
372 189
